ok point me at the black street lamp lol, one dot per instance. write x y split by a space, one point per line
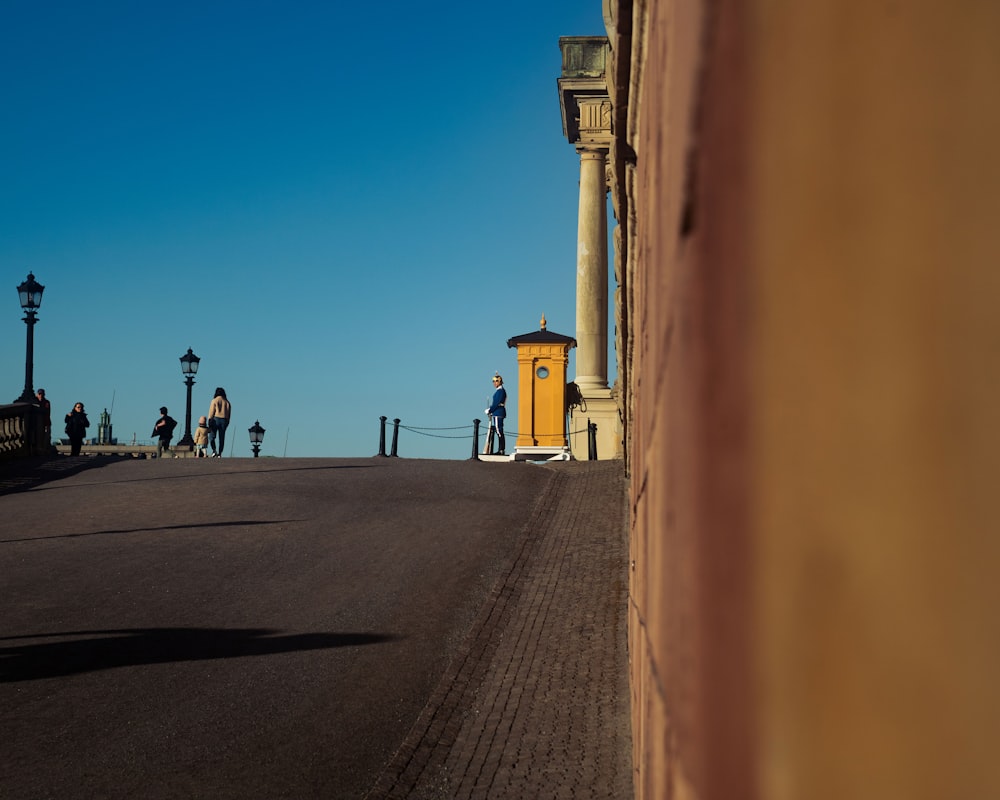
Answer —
256 437
189 367
30 293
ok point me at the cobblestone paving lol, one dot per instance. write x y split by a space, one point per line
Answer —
536 703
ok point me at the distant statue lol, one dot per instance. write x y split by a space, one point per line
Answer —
104 429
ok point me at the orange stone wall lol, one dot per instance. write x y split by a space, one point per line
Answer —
810 268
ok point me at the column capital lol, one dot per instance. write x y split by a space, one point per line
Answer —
594 121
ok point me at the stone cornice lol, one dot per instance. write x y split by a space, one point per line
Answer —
583 90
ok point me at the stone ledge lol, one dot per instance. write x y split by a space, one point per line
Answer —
542 453
134 450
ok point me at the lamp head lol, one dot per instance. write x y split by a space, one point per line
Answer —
189 363
256 433
30 293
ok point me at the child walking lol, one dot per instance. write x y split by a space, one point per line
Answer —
201 438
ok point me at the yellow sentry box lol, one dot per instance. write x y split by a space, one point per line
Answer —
542 361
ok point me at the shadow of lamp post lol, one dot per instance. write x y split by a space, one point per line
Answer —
189 367
256 437
30 293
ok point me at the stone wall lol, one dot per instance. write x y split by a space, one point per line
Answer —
808 260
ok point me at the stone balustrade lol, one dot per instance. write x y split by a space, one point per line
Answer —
22 431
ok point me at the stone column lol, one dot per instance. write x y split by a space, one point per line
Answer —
592 272
587 117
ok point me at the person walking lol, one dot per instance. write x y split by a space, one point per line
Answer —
219 413
201 438
497 413
164 430
76 428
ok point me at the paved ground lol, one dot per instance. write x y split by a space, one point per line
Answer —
536 704
526 697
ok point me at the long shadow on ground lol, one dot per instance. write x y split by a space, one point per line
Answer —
89 651
22 474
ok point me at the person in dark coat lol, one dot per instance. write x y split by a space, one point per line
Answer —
76 428
46 407
164 430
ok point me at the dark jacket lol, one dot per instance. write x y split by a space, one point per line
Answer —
76 424
164 427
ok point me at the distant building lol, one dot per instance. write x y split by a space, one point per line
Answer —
104 429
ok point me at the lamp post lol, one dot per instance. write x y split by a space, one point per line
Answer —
189 367
256 437
30 293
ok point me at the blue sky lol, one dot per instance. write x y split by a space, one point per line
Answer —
344 209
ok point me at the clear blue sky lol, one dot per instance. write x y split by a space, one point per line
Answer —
345 209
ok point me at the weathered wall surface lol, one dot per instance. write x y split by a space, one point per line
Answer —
812 341
688 439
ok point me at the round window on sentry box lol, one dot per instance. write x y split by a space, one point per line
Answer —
542 373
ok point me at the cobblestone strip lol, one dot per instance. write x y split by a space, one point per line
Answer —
554 721
425 747
547 716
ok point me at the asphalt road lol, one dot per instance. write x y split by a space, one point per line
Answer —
236 628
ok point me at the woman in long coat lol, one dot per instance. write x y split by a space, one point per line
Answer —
76 428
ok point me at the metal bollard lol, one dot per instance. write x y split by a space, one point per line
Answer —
475 440
381 436
395 437
591 440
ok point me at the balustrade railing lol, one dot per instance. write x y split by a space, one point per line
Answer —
22 431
